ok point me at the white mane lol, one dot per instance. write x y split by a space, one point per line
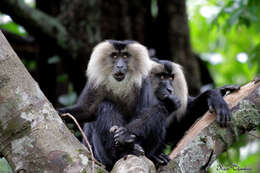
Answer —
99 71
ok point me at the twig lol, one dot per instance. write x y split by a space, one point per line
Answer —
85 138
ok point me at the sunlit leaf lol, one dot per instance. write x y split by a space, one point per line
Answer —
13 27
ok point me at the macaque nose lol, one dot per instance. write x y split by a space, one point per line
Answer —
120 64
170 90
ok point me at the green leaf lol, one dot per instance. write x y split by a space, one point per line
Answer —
234 18
13 27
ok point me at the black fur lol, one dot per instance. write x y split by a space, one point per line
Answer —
120 45
168 68
86 106
143 120
87 103
197 107
148 125
211 100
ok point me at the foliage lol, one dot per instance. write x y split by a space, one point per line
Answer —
226 34
231 161
6 23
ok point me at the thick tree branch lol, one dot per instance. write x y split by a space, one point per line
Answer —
33 138
134 164
206 140
38 23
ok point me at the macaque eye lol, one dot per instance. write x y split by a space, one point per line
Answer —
162 77
172 77
114 55
125 55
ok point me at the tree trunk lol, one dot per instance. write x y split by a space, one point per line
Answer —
33 137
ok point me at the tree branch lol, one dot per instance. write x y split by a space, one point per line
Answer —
38 23
133 164
206 140
33 138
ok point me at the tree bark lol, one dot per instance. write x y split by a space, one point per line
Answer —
33 137
206 140
134 164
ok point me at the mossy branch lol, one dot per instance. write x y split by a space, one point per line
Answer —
206 140
33 137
